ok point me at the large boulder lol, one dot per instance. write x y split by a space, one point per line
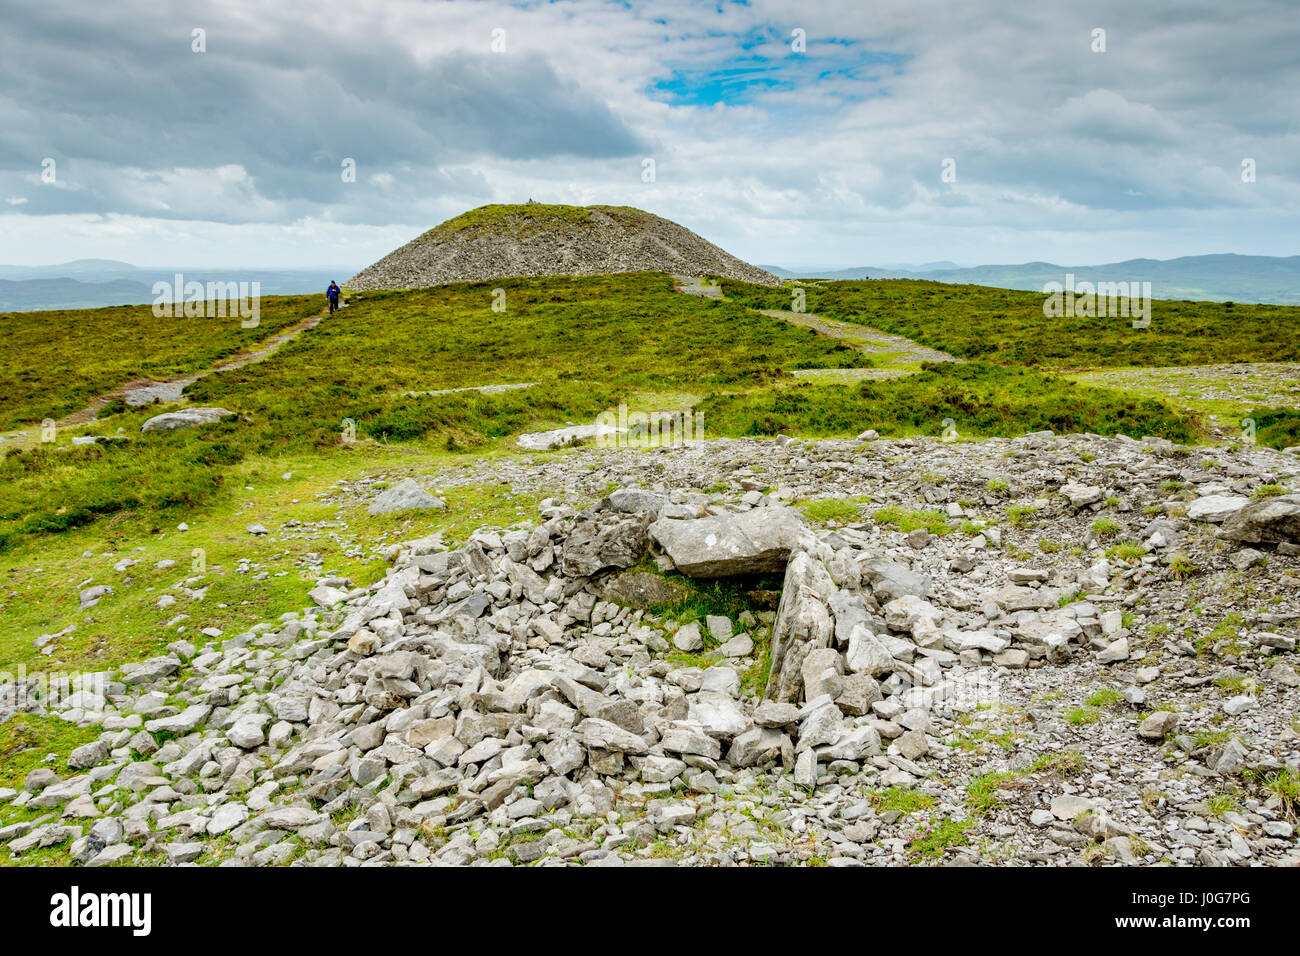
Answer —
748 542
595 544
560 437
803 624
406 495
642 589
890 580
185 418
1271 520
632 500
1216 508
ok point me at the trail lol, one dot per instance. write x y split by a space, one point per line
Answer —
893 353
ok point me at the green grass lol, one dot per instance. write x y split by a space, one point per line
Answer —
1276 427
982 789
1018 515
524 219
910 519
39 579
934 838
1283 783
1082 715
1222 803
1063 762
1129 551
591 343
55 362
27 739
840 510
1008 326
1103 697
1105 527
698 599
984 400
898 800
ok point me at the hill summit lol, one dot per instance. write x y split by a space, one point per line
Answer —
497 241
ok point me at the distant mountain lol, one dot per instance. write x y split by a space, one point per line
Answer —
1216 278
94 283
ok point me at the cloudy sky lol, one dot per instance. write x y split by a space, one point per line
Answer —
121 141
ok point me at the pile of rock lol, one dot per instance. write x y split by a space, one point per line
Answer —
495 242
518 698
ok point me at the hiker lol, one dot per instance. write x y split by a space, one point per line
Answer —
333 294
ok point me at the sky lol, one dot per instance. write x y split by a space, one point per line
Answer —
832 134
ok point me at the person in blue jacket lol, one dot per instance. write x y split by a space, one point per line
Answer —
333 294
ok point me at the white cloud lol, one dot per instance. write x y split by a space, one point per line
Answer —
1061 153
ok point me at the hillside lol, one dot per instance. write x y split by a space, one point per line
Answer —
500 241
361 498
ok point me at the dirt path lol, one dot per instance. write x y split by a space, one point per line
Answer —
694 285
895 349
888 350
144 391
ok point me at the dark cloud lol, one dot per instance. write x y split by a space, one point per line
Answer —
125 90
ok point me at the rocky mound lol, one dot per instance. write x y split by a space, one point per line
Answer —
940 693
498 241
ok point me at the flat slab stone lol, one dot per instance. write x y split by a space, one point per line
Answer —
1216 508
185 418
749 542
559 437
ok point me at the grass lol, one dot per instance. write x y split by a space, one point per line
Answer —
1018 515
39 580
1283 783
1222 803
981 791
55 362
699 599
1129 551
1079 716
523 219
1236 684
984 400
898 800
1276 427
1103 697
1105 527
1228 630
839 510
934 838
1062 762
1008 326
27 739
591 343
909 519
